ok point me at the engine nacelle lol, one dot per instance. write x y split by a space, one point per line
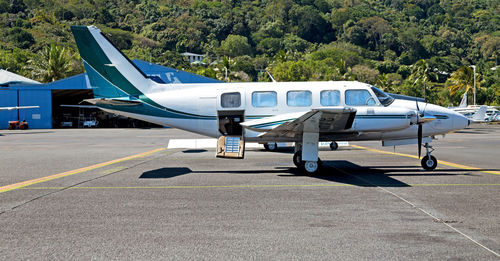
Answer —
382 119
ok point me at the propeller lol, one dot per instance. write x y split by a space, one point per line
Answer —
422 119
419 139
419 132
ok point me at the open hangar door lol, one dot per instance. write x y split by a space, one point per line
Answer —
70 112
71 117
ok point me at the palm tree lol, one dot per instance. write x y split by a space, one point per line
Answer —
54 63
462 79
421 74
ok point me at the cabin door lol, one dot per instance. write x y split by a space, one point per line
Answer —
230 113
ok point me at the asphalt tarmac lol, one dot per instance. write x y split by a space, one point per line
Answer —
119 194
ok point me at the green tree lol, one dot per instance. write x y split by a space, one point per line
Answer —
421 75
235 45
462 80
4 6
53 63
21 38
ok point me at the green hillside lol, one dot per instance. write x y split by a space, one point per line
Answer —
397 45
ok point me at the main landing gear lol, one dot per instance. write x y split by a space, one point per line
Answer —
334 145
271 146
308 167
429 162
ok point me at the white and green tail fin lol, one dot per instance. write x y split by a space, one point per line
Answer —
111 74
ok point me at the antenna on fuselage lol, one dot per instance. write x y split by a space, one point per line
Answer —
270 75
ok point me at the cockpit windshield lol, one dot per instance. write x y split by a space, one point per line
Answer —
384 98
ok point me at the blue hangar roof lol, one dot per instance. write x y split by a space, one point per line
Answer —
158 73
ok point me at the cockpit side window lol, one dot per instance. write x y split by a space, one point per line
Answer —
359 98
384 98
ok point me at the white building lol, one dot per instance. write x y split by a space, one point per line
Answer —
193 57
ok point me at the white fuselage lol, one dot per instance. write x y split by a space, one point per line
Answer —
373 122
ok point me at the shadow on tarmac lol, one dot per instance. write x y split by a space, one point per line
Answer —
339 171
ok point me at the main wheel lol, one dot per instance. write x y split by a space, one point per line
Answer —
429 163
311 167
297 159
334 145
271 146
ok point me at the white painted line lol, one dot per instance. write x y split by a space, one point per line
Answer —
201 144
212 144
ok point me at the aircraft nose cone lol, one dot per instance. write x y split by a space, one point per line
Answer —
460 122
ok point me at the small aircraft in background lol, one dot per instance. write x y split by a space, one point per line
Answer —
476 113
265 112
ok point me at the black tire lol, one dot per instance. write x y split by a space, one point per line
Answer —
271 146
429 163
334 145
305 167
297 159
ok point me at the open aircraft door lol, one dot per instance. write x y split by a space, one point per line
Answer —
230 113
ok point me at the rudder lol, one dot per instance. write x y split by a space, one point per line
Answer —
110 72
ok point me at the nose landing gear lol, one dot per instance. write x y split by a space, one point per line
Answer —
429 162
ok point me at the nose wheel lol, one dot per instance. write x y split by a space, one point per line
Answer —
429 162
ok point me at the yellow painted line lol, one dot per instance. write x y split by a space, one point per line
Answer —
109 171
76 171
250 186
451 164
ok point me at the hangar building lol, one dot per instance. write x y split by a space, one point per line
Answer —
16 90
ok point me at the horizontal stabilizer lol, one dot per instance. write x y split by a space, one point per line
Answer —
114 102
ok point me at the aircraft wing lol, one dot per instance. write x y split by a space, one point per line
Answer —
293 124
18 108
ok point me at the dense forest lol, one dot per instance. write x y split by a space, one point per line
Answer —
399 46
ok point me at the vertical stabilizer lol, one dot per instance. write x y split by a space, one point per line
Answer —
110 72
480 115
463 103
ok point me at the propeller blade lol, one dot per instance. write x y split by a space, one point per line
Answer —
419 139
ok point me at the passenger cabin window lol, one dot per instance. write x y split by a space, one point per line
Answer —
230 100
264 99
330 98
359 98
298 98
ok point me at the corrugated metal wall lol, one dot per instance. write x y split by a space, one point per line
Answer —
8 98
39 118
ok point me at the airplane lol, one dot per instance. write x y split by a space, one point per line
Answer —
265 112
475 113
18 108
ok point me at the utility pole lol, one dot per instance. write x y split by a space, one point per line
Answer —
474 67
